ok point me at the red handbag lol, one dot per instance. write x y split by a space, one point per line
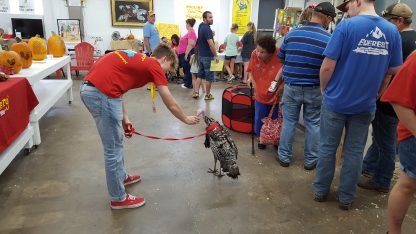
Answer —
270 131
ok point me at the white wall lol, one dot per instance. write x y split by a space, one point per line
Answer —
5 18
97 18
53 10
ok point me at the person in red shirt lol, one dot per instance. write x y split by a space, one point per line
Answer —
102 93
401 94
262 70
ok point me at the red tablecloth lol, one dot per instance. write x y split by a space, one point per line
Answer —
17 100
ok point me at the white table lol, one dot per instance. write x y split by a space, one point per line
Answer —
24 140
48 92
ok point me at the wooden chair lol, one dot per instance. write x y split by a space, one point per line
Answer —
84 57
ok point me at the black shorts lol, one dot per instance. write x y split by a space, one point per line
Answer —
230 57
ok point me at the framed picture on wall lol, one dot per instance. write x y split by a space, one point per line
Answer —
69 30
131 13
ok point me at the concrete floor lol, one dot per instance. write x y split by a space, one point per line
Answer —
60 187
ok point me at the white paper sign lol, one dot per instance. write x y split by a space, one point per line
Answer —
74 2
26 6
4 6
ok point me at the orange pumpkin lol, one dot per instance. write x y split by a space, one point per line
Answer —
56 46
11 60
24 51
38 47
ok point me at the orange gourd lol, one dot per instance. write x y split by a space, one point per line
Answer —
11 60
38 47
24 51
56 46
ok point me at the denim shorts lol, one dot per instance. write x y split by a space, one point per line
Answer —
407 155
229 57
205 69
245 59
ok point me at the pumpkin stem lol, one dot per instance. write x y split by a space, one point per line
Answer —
53 33
18 39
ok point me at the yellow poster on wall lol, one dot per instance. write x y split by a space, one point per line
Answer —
167 30
194 12
241 14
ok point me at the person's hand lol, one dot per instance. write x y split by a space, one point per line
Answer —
186 57
191 120
128 127
249 82
217 60
279 91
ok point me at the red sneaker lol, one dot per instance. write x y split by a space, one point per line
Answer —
129 202
131 179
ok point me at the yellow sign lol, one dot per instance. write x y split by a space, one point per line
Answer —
241 14
217 67
194 12
167 30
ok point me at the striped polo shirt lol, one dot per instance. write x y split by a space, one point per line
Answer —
302 52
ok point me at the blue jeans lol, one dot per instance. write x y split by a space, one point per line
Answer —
407 152
186 70
379 159
293 99
205 69
260 111
108 115
356 130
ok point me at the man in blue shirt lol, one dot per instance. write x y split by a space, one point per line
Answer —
150 34
302 52
206 53
361 52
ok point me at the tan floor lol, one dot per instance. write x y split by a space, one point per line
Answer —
60 187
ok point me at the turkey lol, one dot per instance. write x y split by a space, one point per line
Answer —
223 147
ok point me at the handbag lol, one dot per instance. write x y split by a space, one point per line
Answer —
271 129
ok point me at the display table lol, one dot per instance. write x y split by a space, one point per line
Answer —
126 45
17 100
48 92
239 59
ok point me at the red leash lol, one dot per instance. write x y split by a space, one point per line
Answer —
130 131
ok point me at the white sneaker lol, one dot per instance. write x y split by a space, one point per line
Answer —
230 80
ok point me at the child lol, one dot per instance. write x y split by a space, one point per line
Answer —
194 61
231 51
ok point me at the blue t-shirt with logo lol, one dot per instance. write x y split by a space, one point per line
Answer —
365 47
150 31
204 34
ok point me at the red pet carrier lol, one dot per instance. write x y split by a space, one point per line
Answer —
237 110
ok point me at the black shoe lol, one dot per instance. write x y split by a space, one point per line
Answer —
261 146
319 198
366 183
309 168
283 164
345 206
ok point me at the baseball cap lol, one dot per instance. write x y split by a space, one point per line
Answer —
150 13
326 8
397 10
343 6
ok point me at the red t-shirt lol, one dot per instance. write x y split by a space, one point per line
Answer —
402 91
119 71
263 75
